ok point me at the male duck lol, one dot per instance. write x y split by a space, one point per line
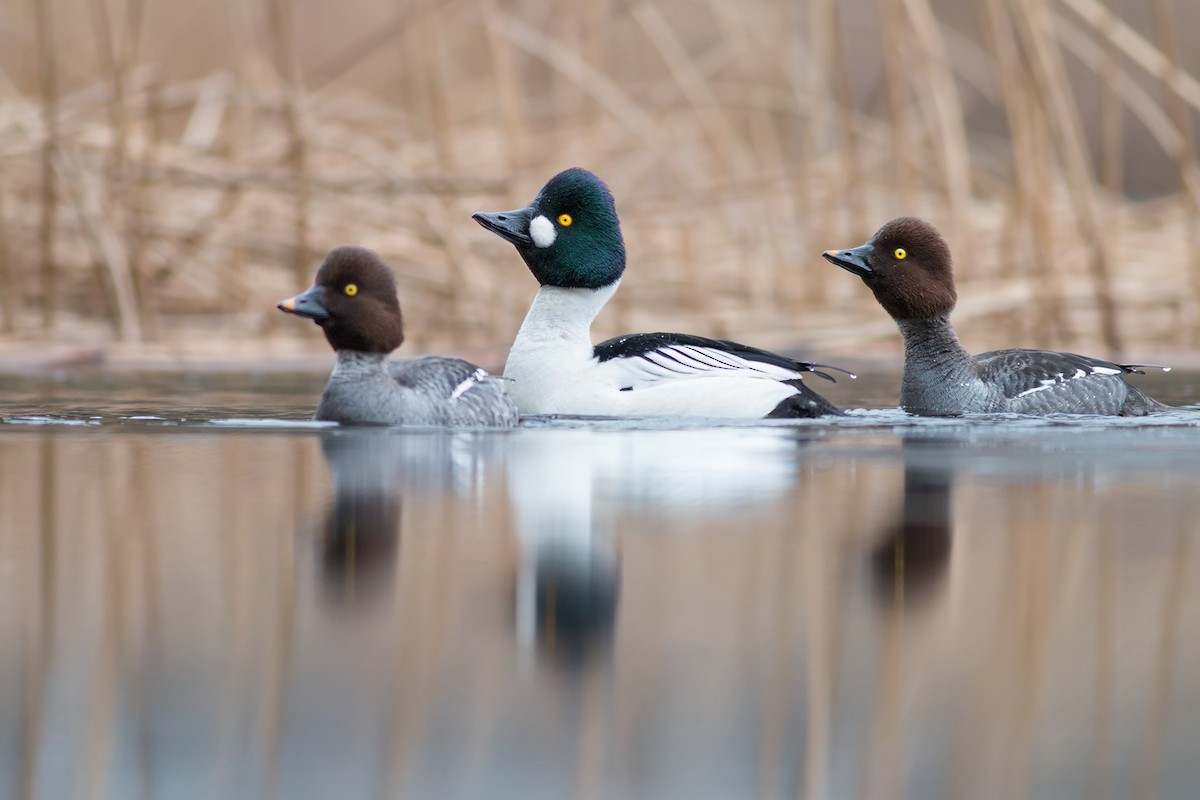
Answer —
570 238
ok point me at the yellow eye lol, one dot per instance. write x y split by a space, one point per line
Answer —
350 289
900 253
565 220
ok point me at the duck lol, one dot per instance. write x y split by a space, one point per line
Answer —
570 239
354 300
908 266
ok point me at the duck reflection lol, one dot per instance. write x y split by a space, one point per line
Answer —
358 545
911 558
371 470
567 573
569 489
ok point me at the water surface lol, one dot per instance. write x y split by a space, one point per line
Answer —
203 595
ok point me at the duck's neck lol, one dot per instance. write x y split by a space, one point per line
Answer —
559 314
934 359
931 340
353 364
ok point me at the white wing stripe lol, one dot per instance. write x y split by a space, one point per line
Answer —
714 357
682 362
665 361
697 360
1046 384
1061 378
732 361
477 376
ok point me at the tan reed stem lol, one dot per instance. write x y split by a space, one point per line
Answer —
116 58
852 182
1112 134
510 93
43 15
597 23
948 116
1049 77
9 290
1112 116
281 16
242 122
611 97
470 286
86 192
1136 98
1029 198
1136 48
727 153
757 152
895 33
1183 151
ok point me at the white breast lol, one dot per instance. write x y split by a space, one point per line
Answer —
553 370
550 366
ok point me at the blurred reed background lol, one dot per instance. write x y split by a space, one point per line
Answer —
169 170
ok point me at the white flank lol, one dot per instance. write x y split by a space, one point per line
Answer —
541 230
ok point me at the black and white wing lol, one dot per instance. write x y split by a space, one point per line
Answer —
462 393
640 360
1038 381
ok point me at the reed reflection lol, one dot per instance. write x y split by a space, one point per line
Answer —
911 558
708 618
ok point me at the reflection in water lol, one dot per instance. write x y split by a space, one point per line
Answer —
912 555
567 573
710 597
359 540
569 487
362 527
689 474
370 470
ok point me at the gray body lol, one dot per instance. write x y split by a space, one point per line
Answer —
367 388
942 379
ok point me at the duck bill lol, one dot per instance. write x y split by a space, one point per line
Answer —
855 260
309 304
510 225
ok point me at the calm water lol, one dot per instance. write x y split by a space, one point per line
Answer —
204 596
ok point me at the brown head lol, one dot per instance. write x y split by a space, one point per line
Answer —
907 265
354 301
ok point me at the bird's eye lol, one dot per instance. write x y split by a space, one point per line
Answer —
900 253
565 220
350 290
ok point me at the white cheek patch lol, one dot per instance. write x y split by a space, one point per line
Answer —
541 230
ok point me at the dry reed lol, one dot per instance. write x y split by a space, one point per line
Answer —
48 271
739 144
1184 139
